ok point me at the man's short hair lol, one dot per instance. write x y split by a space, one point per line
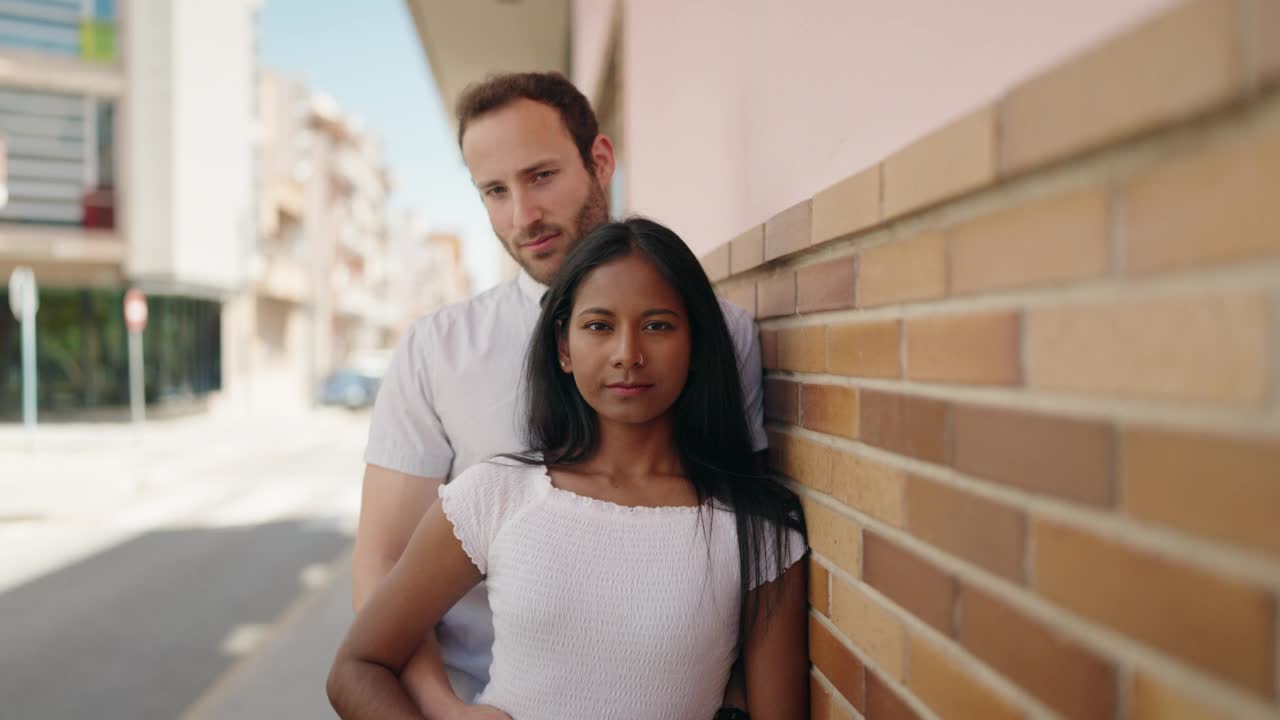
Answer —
548 88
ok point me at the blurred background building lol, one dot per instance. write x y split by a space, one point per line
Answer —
251 209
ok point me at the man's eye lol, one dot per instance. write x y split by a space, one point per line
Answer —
495 191
539 177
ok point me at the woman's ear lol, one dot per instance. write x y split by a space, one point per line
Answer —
562 348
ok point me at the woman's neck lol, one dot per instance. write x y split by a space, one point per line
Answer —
630 450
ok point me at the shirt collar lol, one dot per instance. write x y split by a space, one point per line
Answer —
531 288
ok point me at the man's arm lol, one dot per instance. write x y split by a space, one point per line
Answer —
391 506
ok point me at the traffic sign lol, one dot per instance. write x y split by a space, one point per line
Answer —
135 310
22 292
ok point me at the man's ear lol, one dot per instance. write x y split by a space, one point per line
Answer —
602 156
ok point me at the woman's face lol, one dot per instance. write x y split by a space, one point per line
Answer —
628 343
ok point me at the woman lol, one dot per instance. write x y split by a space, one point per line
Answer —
633 553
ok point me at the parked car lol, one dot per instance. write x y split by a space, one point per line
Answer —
349 388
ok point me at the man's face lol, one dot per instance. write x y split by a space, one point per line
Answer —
540 198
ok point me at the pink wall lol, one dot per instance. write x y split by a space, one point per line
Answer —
592 21
737 109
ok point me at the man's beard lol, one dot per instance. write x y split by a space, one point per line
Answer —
593 213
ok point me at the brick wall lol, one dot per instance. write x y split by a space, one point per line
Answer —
1024 373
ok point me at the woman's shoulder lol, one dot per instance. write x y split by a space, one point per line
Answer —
498 482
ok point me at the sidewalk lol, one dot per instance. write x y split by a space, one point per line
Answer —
285 677
77 469
80 487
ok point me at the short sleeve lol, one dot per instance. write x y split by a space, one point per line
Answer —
794 548
746 345
480 501
405 433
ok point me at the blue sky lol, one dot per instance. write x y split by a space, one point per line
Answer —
366 55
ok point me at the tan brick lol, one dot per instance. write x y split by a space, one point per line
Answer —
950 161
1197 348
830 409
840 666
1221 625
868 486
883 703
978 349
805 461
1058 240
949 689
1061 457
777 295
769 348
834 536
716 263
865 349
1181 63
819 700
828 285
1211 207
746 250
1043 661
903 271
1267 40
1154 699
870 626
988 534
850 205
904 424
782 401
788 231
742 294
803 349
914 584
819 587
1222 488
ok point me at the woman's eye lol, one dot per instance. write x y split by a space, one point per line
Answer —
597 326
659 325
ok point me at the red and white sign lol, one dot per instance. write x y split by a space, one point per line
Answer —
135 310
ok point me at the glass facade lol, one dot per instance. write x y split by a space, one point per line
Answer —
60 27
82 352
61 158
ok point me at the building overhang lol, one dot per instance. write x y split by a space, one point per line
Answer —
466 41
51 73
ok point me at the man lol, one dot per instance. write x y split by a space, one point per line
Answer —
452 397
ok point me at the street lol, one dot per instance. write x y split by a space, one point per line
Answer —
140 576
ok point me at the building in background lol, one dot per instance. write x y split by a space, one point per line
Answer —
332 279
127 157
429 272
145 148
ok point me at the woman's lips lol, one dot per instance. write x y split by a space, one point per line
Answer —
628 389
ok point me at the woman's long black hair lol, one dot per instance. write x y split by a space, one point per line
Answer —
710 425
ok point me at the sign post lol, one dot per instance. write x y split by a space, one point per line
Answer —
4 170
24 300
135 319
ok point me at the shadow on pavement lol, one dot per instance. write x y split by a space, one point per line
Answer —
138 630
